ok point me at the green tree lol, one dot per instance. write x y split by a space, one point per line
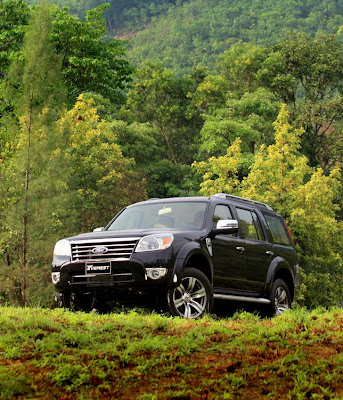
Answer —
160 97
14 17
240 67
220 174
35 106
307 198
304 73
308 76
285 169
101 181
249 118
210 95
89 63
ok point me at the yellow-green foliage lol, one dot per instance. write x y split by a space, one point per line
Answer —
102 180
220 174
278 170
305 196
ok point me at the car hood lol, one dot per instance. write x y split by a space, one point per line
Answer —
105 235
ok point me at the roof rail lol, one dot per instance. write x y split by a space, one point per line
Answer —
243 199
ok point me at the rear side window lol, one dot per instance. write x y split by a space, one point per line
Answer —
278 230
250 224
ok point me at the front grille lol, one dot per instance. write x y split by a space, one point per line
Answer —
111 249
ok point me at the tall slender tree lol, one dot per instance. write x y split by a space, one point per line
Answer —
34 83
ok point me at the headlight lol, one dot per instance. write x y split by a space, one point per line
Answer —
55 277
155 242
62 248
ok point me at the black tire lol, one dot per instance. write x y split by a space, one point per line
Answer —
81 302
280 297
61 300
193 298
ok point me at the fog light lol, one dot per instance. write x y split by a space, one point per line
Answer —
55 277
156 273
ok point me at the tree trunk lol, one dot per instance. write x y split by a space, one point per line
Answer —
26 212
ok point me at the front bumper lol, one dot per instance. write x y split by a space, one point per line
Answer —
134 273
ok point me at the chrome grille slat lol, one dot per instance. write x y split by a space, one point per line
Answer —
117 249
88 249
115 245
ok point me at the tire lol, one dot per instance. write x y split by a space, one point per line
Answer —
61 300
280 297
193 298
81 302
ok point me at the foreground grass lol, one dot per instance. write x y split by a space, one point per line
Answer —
55 354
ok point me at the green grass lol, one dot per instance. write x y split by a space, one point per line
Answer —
55 354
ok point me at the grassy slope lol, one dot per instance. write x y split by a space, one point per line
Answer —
55 354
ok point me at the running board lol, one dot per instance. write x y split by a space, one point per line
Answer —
241 298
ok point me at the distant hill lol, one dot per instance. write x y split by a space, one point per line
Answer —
183 33
123 16
198 31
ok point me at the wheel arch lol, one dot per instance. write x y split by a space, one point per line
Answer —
200 262
195 256
287 277
279 269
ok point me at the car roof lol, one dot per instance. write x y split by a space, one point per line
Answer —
219 196
174 199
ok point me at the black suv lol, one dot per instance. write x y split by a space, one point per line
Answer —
185 252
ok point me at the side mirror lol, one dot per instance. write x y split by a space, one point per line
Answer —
224 227
98 229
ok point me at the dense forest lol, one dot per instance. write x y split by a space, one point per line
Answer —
232 97
184 33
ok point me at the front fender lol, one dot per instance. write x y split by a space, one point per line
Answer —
187 251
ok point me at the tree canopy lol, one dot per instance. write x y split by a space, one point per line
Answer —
198 31
89 63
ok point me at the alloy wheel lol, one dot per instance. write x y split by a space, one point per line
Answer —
190 298
282 301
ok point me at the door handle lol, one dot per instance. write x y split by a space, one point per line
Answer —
270 253
240 249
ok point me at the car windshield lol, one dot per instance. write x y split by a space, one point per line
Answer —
174 215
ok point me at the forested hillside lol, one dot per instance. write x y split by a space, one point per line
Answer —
184 33
84 132
200 30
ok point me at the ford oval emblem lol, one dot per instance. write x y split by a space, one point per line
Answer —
99 250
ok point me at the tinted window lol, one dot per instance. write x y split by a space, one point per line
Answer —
179 215
221 212
278 230
250 224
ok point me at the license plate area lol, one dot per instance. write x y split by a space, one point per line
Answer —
98 268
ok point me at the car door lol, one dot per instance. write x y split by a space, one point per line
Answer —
257 249
229 260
